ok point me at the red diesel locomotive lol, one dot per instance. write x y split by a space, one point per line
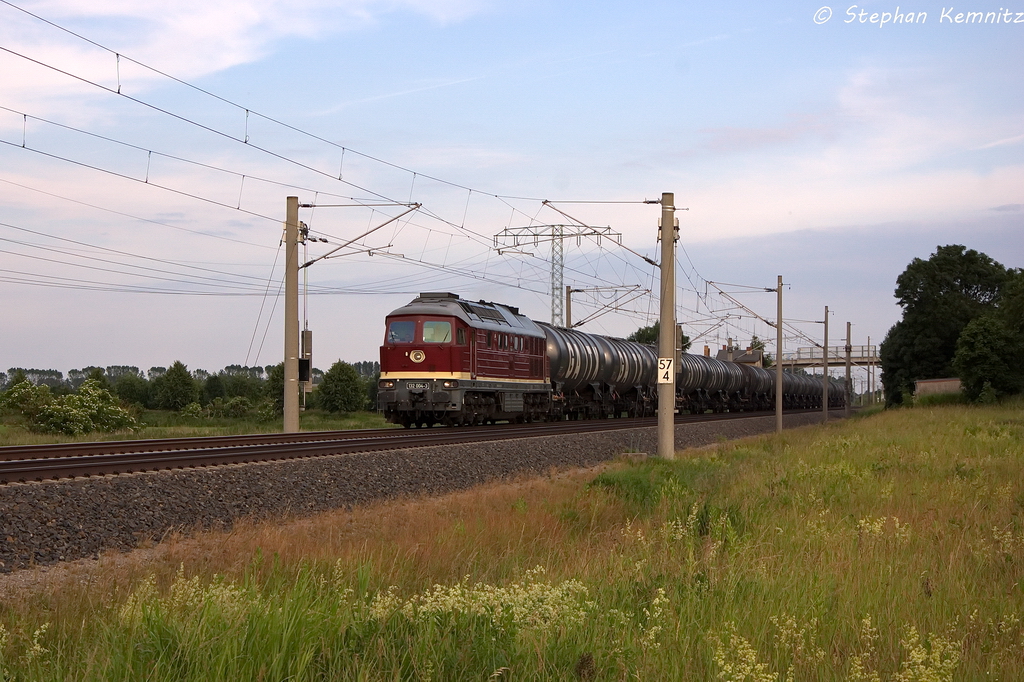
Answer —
449 361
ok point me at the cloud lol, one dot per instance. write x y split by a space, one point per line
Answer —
186 38
434 85
797 128
1010 208
1004 142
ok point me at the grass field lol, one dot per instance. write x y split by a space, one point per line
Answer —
165 424
887 547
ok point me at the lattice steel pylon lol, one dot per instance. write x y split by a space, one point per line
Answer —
514 237
557 268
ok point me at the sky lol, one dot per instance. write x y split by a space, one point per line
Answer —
147 150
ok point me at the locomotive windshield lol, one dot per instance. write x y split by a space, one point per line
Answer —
401 331
435 331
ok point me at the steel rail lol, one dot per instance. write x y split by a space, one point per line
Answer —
154 444
119 457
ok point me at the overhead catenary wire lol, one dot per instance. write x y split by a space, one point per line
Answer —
133 217
247 110
263 304
145 181
120 252
592 263
182 159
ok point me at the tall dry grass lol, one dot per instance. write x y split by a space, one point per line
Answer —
884 548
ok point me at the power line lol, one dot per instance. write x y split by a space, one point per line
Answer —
248 111
151 152
142 182
116 251
133 217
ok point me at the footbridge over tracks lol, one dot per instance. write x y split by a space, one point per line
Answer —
810 356
864 358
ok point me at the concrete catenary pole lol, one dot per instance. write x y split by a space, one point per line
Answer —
291 316
568 306
778 362
824 372
871 366
666 336
849 385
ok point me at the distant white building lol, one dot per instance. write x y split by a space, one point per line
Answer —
936 386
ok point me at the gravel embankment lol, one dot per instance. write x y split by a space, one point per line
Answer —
44 523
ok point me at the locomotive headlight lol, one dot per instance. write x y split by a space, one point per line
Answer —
385 383
451 384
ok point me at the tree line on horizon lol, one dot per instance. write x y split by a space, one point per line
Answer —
235 391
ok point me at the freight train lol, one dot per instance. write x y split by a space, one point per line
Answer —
454 362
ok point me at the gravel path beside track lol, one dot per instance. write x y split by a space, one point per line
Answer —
48 522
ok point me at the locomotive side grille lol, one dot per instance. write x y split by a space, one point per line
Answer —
484 313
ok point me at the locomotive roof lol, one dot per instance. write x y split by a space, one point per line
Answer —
480 314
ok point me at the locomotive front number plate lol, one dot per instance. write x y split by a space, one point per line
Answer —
417 384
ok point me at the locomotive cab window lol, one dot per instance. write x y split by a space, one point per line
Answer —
401 331
460 336
436 331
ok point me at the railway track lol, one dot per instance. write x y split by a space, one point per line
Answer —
71 460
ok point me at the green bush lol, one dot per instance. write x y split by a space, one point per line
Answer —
269 410
940 399
236 407
26 397
342 389
90 409
192 411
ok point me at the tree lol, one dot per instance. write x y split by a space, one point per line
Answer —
132 389
646 335
213 388
99 376
39 377
244 385
176 388
758 344
987 352
15 376
115 372
274 386
1011 302
649 336
939 297
342 389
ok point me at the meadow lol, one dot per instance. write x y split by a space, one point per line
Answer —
14 429
888 547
